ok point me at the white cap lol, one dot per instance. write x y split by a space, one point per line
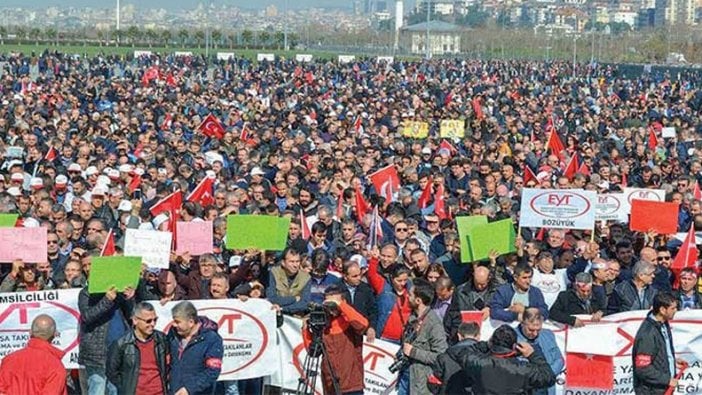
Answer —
103 181
362 262
91 171
126 168
210 174
426 151
257 171
212 157
139 171
74 167
14 163
125 205
61 179
17 177
159 220
99 190
36 182
235 261
14 191
31 223
113 174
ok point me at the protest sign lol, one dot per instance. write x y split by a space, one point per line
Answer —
452 128
154 247
182 53
113 271
194 237
248 330
465 225
303 57
139 53
18 310
386 59
27 244
668 132
472 316
263 232
415 129
642 194
558 208
8 220
346 58
611 206
589 372
498 236
647 215
265 56
225 55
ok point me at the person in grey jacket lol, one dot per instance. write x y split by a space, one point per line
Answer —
634 294
103 320
428 342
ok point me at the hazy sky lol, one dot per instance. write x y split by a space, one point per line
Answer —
178 3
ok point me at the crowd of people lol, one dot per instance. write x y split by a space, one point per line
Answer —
91 145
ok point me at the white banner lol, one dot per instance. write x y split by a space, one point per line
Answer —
558 208
630 194
18 310
247 328
154 247
611 206
265 56
301 57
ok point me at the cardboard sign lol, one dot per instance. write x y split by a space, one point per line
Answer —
499 236
27 244
452 128
472 316
265 56
591 372
648 215
630 194
558 208
263 232
8 220
611 206
415 129
194 237
465 225
152 246
113 271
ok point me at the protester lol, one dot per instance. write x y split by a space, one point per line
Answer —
576 301
688 295
343 340
531 330
653 354
634 294
137 363
360 295
470 296
196 351
448 376
510 300
37 368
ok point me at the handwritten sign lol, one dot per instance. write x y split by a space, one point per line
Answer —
452 128
194 237
27 244
152 246
415 129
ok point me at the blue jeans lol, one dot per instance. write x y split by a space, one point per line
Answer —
97 381
403 381
230 387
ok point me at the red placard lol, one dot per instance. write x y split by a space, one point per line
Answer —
649 215
587 371
472 316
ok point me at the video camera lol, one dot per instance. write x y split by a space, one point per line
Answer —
320 314
402 360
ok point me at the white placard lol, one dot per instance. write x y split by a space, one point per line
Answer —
346 58
225 55
668 132
386 59
558 208
657 195
140 53
154 247
303 57
611 206
265 56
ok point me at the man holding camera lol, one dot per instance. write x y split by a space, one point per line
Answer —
422 341
342 336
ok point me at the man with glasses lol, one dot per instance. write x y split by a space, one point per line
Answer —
137 362
634 294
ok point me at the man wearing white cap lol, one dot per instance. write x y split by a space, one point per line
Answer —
60 191
101 210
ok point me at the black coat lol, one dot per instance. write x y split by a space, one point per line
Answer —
124 364
500 372
465 299
364 302
650 358
449 372
96 311
568 304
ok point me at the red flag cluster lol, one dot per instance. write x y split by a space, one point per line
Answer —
386 182
211 127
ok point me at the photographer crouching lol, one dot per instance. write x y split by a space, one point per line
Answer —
423 339
336 329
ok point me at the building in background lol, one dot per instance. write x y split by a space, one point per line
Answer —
444 38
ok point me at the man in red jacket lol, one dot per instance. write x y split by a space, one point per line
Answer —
37 368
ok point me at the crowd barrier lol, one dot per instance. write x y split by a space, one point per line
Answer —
254 347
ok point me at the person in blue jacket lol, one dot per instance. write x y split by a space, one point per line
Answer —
196 352
510 300
531 330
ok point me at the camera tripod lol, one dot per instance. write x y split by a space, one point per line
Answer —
312 367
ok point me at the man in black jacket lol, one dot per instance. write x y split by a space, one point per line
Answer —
470 296
448 376
688 296
137 362
493 368
577 301
653 353
360 295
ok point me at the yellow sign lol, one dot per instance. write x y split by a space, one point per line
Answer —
452 128
415 129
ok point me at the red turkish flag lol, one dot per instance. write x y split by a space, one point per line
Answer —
423 200
167 122
202 194
528 174
572 166
652 138
696 192
591 372
362 206
440 203
584 169
477 108
306 232
386 182
50 154
211 127
135 183
686 257
108 248
171 204
554 143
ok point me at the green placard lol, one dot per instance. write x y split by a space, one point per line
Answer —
465 225
263 232
8 220
498 236
118 271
